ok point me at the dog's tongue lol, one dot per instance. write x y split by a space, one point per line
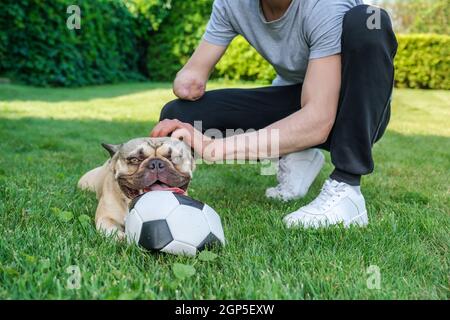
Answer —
164 187
176 190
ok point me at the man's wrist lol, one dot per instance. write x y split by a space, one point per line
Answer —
213 150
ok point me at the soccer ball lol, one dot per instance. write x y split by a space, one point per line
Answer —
173 223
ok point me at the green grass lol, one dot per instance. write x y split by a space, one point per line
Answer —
50 137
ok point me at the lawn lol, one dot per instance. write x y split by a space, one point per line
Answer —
50 137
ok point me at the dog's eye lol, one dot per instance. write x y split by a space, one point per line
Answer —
133 160
176 159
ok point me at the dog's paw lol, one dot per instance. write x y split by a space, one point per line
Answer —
113 233
90 179
110 230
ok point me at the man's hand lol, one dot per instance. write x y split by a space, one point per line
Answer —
166 127
310 126
186 132
189 85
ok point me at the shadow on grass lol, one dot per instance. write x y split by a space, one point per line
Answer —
12 92
39 134
42 159
81 138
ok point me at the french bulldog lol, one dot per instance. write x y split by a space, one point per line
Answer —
135 167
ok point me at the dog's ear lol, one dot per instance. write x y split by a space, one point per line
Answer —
111 148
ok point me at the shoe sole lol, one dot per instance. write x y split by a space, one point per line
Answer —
360 220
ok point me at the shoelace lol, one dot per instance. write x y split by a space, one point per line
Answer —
330 193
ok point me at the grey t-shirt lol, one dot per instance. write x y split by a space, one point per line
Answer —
309 29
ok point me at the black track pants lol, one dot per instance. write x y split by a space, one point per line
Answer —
364 103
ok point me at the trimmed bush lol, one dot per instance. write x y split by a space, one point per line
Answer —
423 61
179 35
242 62
37 48
118 41
177 38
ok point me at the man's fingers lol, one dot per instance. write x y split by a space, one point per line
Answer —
166 131
182 134
166 127
156 132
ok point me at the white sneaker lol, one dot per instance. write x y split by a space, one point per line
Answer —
296 172
338 202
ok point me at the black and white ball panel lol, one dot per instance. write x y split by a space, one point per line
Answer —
173 223
214 222
133 225
177 247
184 216
155 235
187 201
163 203
209 241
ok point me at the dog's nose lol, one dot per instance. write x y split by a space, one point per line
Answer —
156 165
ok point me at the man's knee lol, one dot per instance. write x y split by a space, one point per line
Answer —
172 110
367 27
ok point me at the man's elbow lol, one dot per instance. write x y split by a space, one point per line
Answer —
323 129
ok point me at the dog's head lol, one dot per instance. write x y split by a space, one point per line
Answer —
147 164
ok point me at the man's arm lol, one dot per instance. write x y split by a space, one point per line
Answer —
308 127
312 124
305 128
190 82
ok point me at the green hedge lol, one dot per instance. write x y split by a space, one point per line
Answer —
118 42
36 46
423 61
242 62
177 37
